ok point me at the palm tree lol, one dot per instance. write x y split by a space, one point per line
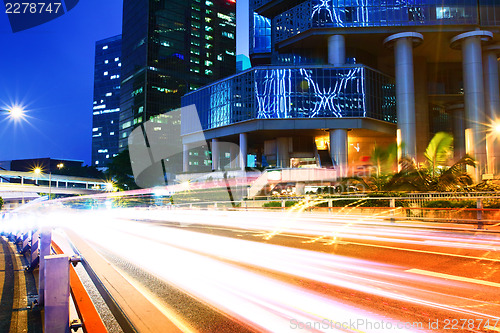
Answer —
438 152
436 175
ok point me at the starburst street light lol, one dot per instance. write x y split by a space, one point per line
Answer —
496 128
16 112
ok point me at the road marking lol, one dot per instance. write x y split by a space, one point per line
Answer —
419 251
453 277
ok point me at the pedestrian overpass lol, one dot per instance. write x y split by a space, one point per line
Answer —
17 188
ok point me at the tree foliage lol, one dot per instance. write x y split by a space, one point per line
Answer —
120 171
436 174
83 171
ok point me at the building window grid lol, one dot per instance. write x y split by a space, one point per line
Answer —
372 13
281 93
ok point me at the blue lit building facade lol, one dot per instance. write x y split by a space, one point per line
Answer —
106 106
344 75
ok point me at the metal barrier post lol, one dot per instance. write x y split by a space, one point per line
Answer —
393 208
26 242
45 244
35 244
19 237
56 296
330 205
283 204
480 224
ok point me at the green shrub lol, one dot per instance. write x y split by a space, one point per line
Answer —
275 204
450 204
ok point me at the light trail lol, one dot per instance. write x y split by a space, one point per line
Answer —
268 304
359 275
250 281
335 228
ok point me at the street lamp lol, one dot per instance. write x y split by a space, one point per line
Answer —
38 171
15 112
496 128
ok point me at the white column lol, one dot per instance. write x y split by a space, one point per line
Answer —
336 50
243 150
421 107
234 159
339 145
283 152
470 43
185 158
215 154
458 115
492 105
403 44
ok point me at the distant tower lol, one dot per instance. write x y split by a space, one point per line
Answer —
106 107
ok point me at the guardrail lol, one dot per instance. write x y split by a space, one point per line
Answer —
57 280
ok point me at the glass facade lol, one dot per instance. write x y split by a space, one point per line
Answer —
106 106
382 13
169 48
296 92
260 34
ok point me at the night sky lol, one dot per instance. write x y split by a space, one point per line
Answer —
49 70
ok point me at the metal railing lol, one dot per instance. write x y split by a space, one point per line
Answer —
57 280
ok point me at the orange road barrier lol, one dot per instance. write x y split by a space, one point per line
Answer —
91 321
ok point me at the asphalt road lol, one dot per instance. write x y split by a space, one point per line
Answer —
234 271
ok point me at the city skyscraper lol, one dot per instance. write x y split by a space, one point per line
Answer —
170 48
106 106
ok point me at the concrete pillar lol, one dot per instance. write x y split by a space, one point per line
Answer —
243 150
403 44
300 188
492 105
336 50
283 152
215 154
470 43
185 158
339 149
458 115
421 108
234 160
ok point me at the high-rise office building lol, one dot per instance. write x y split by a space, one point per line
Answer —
344 76
169 48
106 107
